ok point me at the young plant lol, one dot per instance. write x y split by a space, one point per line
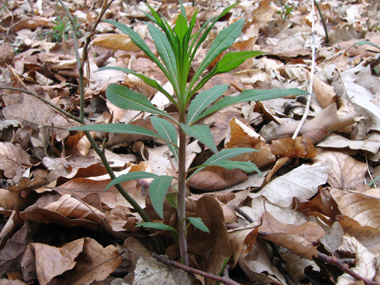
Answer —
177 47
61 28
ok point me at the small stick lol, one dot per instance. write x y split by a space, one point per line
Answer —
224 279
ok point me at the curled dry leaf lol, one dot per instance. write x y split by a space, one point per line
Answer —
325 93
299 239
367 236
242 241
365 261
122 42
360 207
216 178
299 148
240 135
53 261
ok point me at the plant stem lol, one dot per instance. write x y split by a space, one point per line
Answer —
323 22
182 198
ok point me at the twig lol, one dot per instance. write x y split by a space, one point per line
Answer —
323 22
224 279
338 264
307 107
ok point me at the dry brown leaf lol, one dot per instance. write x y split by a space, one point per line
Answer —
299 239
11 226
242 241
358 206
53 261
366 235
239 135
95 263
13 160
115 42
214 247
346 172
216 178
325 93
10 200
301 147
258 267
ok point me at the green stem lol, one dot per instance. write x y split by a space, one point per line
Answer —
323 22
182 198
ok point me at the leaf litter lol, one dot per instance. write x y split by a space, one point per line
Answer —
313 197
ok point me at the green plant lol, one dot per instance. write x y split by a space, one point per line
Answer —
177 48
61 28
286 10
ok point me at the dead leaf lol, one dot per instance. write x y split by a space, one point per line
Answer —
115 42
13 160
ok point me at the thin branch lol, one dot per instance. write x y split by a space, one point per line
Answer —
338 264
307 107
224 279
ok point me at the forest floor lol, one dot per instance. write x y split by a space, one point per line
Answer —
311 217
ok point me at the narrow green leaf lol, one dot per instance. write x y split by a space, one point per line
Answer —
157 226
233 60
374 181
168 131
137 40
229 164
165 50
362 43
198 223
222 41
118 128
127 99
201 133
202 101
129 177
147 80
251 95
183 11
172 199
181 28
157 192
223 155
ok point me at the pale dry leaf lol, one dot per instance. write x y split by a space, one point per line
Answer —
333 237
151 271
242 240
53 261
325 93
301 183
365 261
13 159
95 263
258 267
346 172
370 144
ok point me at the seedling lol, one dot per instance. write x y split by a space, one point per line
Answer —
177 47
61 28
